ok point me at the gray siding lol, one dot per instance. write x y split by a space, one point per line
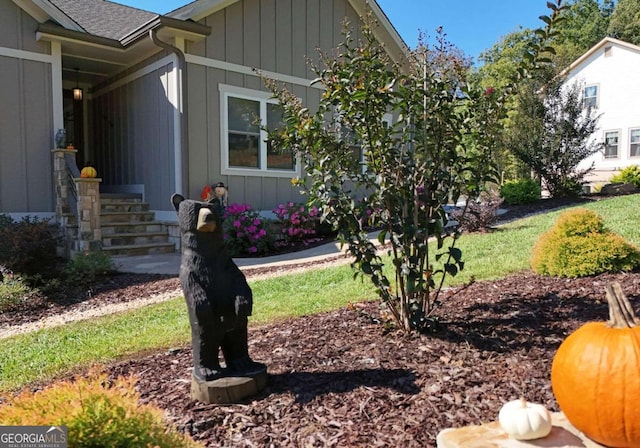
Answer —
26 129
271 35
133 131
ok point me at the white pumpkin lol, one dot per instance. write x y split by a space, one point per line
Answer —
525 421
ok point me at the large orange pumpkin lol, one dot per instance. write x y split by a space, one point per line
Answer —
596 376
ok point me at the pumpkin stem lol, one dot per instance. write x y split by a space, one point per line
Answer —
621 313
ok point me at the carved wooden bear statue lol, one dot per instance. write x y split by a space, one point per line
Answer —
217 295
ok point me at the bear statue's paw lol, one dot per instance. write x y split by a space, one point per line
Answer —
246 367
205 374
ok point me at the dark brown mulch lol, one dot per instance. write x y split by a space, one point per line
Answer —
339 379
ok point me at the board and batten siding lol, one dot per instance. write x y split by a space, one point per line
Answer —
273 36
26 116
132 131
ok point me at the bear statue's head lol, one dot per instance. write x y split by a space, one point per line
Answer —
195 216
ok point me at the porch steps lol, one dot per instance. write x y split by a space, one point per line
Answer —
129 228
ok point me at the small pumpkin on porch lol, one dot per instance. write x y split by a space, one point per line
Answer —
88 172
596 375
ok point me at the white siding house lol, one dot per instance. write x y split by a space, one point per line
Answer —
608 75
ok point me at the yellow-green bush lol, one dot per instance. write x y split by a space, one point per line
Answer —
579 245
96 413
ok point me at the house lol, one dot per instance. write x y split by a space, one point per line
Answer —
165 103
607 74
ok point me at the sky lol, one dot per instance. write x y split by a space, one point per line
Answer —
471 25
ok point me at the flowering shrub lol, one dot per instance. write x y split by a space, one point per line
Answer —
298 223
245 231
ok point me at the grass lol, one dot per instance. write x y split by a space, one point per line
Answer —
53 352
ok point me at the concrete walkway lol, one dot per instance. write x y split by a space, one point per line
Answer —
170 263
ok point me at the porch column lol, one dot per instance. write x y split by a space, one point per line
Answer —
89 231
61 184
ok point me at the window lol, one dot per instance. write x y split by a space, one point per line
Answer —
634 142
359 154
611 144
590 96
244 147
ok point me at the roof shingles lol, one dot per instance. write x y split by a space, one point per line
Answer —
104 18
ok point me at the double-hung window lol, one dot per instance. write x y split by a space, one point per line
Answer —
245 150
634 142
611 139
590 96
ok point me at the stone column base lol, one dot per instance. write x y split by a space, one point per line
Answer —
228 390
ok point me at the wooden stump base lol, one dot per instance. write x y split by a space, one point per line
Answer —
227 390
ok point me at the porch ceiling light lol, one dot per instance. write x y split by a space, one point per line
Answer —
77 91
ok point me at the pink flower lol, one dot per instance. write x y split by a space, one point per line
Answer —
253 249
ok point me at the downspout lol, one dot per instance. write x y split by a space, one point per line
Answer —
181 142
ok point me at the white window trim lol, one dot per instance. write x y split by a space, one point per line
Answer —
254 95
604 139
597 86
629 142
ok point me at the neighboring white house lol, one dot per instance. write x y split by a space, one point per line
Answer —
608 75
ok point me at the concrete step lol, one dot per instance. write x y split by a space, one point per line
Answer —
130 227
120 217
121 197
140 249
116 206
128 239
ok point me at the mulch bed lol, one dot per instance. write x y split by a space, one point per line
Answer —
343 379
340 379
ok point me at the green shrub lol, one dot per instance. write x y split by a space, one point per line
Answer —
521 191
29 246
13 291
96 413
84 269
579 245
629 175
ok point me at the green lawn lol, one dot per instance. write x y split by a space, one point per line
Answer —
48 353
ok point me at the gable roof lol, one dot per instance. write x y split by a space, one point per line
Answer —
385 33
603 43
104 18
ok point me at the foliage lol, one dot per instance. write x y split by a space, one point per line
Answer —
584 24
245 231
579 245
297 222
13 291
552 135
438 148
28 246
520 191
50 352
84 269
625 21
479 215
628 175
96 412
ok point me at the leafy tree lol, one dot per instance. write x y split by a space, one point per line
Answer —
552 135
625 21
584 24
399 176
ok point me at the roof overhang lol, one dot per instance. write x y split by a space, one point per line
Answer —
603 43
98 58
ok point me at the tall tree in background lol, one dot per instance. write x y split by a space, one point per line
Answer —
584 24
625 21
552 135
